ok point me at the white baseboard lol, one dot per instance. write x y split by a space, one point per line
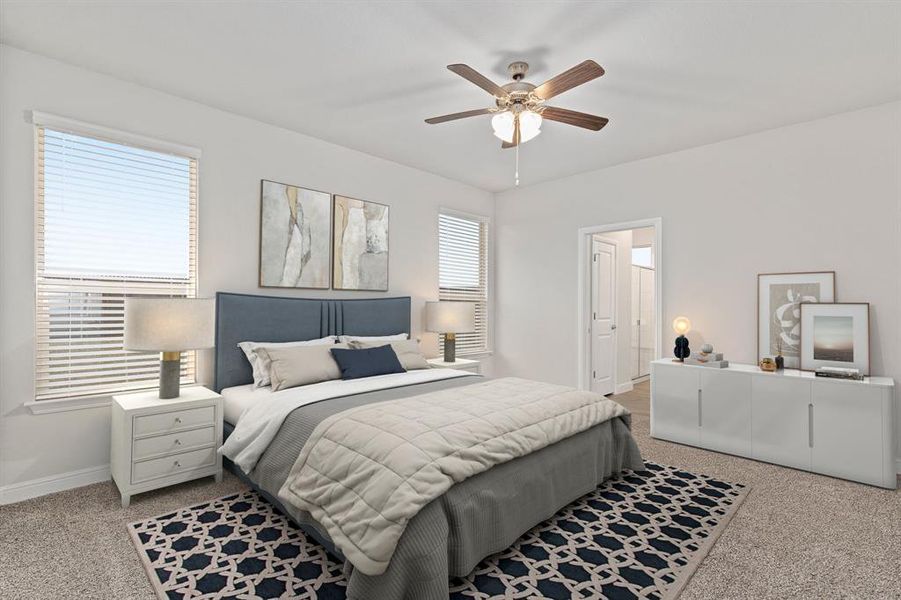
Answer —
42 486
622 388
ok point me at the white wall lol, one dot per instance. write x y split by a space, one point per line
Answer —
822 195
237 153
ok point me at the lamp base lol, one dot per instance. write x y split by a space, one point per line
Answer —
170 375
450 347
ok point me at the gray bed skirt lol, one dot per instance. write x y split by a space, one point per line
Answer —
477 517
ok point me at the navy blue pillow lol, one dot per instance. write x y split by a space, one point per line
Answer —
367 362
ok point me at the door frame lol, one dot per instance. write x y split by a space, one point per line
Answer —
583 300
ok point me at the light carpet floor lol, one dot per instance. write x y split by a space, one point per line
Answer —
797 535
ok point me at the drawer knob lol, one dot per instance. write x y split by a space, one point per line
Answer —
177 442
177 464
177 420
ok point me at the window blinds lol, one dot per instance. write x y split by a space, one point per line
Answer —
463 273
111 221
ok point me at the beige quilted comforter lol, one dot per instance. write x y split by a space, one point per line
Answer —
365 472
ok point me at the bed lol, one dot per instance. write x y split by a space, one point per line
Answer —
474 518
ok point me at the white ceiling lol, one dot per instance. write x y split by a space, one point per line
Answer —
366 74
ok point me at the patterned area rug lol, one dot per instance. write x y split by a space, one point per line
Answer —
641 535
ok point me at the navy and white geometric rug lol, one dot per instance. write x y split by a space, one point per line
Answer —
640 535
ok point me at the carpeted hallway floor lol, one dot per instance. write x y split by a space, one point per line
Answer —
797 535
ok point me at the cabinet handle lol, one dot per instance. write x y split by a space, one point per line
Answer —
810 425
177 420
177 442
700 420
177 464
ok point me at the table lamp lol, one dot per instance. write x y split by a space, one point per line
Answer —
450 318
169 326
681 325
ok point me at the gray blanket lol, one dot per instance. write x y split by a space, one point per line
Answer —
473 519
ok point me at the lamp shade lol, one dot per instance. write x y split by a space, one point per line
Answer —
450 317
169 324
681 325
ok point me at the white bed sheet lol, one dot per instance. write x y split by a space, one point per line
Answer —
239 398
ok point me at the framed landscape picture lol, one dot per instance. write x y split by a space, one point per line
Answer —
360 245
835 335
295 236
779 299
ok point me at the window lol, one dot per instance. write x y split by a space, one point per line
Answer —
643 256
111 220
463 273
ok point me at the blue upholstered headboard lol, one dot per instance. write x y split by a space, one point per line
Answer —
246 317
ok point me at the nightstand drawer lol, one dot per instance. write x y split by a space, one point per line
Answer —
170 421
172 465
173 442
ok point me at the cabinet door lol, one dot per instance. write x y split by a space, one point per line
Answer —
780 420
674 403
847 431
726 411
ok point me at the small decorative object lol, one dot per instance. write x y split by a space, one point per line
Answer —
295 236
835 334
450 318
681 325
768 364
780 360
707 348
360 245
839 373
779 297
169 326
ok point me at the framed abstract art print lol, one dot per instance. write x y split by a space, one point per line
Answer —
779 299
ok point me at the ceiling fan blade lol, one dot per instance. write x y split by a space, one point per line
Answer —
516 136
581 73
572 117
470 74
459 115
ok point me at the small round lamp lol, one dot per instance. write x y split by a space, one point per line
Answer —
681 325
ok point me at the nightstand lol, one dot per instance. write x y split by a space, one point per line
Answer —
156 442
464 364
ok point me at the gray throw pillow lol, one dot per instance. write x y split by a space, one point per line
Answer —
301 365
407 351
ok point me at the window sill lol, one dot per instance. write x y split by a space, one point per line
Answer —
45 407
476 355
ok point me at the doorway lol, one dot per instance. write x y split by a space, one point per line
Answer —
620 305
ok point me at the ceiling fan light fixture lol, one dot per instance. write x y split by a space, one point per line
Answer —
529 125
503 124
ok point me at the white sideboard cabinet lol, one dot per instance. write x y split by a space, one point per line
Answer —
792 418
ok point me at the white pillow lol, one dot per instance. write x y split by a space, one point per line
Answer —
259 361
344 339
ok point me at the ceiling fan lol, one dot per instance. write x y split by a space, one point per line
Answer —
520 106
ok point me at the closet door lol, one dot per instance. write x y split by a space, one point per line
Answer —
648 324
675 392
780 420
635 369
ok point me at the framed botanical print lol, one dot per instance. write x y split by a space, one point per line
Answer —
295 236
835 334
779 299
360 245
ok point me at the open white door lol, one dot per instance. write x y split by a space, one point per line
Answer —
603 311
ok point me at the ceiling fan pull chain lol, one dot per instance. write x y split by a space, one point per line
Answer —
517 165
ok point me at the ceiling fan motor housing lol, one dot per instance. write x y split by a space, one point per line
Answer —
517 70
